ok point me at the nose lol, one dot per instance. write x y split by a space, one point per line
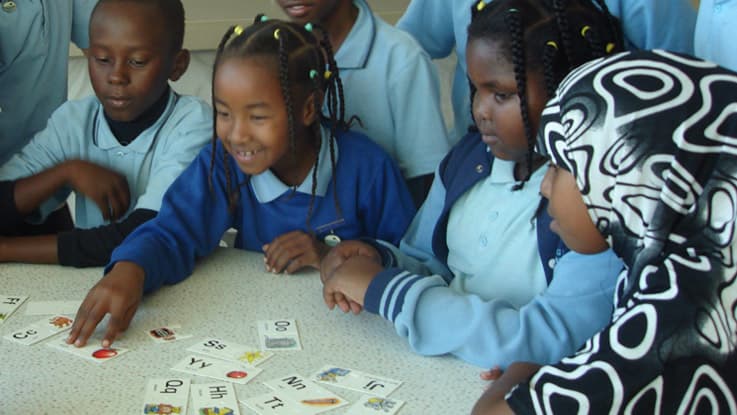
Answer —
119 73
547 184
479 110
238 131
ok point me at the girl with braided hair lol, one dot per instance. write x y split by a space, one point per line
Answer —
474 276
288 179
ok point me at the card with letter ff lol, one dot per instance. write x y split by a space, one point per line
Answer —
166 396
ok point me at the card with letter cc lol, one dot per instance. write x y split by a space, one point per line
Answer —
215 399
41 330
166 396
228 350
279 335
8 304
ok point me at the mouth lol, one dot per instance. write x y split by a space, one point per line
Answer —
245 156
118 102
298 10
489 138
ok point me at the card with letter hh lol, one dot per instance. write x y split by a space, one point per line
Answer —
92 351
217 369
214 398
41 330
278 403
8 304
355 380
227 350
166 396
372 405
306 393
279 335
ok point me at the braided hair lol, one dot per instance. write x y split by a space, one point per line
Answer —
304 63
548 36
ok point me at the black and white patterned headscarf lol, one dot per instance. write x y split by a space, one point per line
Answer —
651 138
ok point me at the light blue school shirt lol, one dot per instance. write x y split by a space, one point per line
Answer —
34 53
441 25
78 130
492 218
392 85
715 32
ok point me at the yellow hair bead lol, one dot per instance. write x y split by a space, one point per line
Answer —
584 30
238 30
552 44
609 47
276 34
328 74
480 6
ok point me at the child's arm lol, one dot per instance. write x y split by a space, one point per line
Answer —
642 23
492 401
436 14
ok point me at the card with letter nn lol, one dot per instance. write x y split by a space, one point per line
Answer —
279 403
227 350
278 335
217 369
372 405
92 351
214 399
8 304
305 393
166 396
355 380
41 330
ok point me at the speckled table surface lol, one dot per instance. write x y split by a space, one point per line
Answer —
225 297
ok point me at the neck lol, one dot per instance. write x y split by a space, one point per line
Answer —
127 131
521 168
293 168
340 22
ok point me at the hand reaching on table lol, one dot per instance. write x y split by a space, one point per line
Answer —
341 252
118 293
346 286
293 251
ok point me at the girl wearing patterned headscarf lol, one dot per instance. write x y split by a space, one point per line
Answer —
643 150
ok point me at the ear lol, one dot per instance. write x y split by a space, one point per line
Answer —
312 108
181 63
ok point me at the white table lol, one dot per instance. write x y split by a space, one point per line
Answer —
224 298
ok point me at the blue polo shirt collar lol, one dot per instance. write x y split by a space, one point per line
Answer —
356 48
267 187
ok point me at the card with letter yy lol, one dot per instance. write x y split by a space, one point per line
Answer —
92 351
215 399
226 350
278 335
41 330
356 380
306 393
166 396
8 304
217 369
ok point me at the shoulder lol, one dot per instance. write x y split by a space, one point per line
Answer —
359 149
77 112
397 42
192 109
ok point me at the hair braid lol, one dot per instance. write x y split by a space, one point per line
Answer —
559 8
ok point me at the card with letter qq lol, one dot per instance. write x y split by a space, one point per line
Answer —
8 304
215 399
217 369
278 335
355 380
92 351
166 396
41 330
226 350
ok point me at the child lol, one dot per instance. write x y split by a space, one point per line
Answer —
33 88
482 230
287 184
118 151
643 161
440 27
391 85
714 32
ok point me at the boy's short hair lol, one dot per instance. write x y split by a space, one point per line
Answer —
172 12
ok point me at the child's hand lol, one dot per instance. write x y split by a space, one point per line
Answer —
341 252
492 374
293 251
346 286
117 293
108 189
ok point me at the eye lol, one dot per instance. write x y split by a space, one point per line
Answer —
136 63
503 96
221 113
258 118
101 59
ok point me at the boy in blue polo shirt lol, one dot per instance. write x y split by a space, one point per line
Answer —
714 33
119 151
391 85
440 27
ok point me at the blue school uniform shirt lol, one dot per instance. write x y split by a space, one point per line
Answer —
393 87
443 305
374 202
79 130
441 27
34 52
715 32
